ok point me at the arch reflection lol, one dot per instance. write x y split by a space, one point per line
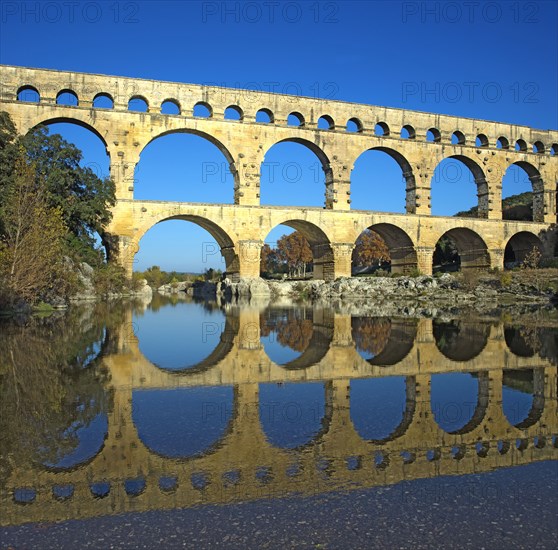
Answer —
185 422
460 340
382 408
292 415
383 341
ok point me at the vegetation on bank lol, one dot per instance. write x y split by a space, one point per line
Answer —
51 210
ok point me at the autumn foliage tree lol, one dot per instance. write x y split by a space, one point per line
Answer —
370 249
292 255
32 241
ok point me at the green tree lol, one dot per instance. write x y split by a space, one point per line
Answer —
83 198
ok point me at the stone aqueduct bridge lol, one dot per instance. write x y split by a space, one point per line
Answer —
241 228
245 465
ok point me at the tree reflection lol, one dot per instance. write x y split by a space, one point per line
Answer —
51 385
292 327
371 334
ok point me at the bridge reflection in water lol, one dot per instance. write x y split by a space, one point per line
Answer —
353 402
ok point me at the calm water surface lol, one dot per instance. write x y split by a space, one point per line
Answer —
179 405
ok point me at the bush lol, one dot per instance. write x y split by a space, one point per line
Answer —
506 279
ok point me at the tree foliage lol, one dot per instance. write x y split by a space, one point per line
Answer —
50 207
32 244
370 249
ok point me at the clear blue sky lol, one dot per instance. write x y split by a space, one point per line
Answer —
488 60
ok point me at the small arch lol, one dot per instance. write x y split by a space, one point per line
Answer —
408 132
519 247
170 107
295 119
138 104
481 141
458 138
103 101
234 112
28 94
433 135
502 143
265 116
471 251
354 125
67 97
554 149
202 110
325 122
538 147
521 145
381 129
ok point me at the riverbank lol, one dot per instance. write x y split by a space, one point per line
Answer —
518 292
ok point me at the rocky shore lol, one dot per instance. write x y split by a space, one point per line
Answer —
409 296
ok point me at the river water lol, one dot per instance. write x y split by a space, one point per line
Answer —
193 423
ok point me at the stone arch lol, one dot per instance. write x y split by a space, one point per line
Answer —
519 246
320 244
296 119
210 138
266 116
406 169
28 94
381 129
72 120
170 103
479 178
354 124
224 241
202 109
537 185
458 138
234 112
471 248
100 97
71 94
402 251
323 160
408 132
327 122
141 104
460 340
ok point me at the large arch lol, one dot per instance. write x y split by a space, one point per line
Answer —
206 171
225 243
298 171
322 253
71 120
446 173
471 248
533 210
406 189
402 253
523 398
520 246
